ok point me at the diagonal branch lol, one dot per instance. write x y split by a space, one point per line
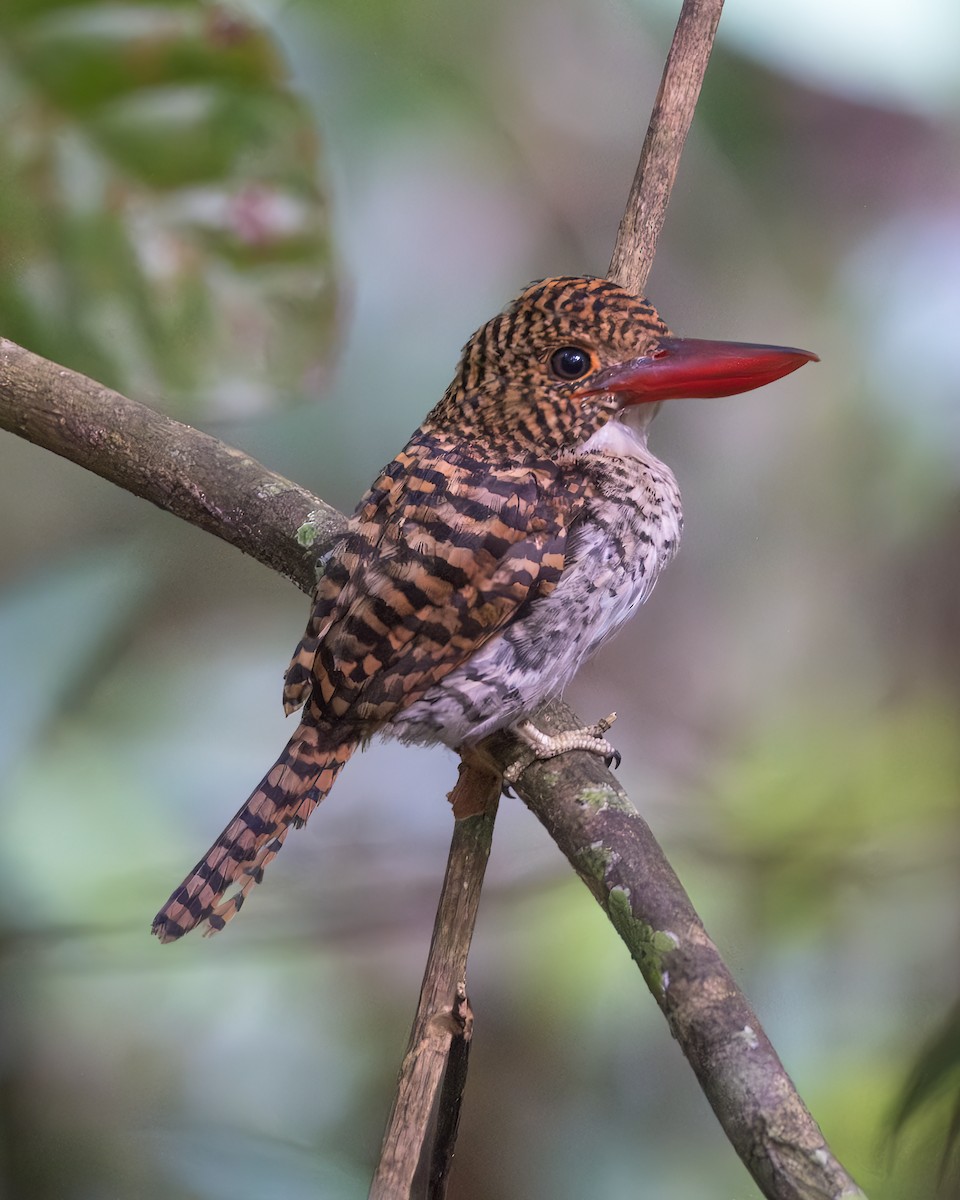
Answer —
178 468
614 852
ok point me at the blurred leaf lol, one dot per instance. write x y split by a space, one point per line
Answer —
77 609
816 804
161 223
935 1076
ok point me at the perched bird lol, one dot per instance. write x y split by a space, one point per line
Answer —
520 526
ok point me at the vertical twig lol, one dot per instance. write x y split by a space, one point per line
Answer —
408 1156
669 125
451 1099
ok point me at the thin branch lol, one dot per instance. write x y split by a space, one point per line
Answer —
442 1023
450 1100
669 125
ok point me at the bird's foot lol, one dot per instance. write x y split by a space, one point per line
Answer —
544 745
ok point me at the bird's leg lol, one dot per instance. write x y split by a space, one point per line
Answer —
544 745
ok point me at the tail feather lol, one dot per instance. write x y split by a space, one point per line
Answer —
286 796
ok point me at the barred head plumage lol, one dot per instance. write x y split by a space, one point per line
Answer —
511 386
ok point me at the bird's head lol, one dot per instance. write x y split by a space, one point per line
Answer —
572 353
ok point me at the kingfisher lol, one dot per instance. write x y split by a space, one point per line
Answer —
522 524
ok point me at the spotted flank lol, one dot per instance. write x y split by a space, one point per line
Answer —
216 888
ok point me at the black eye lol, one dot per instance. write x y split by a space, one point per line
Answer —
570 362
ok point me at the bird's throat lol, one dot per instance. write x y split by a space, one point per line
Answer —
619 439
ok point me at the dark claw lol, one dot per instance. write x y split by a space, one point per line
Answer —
614 760
507 790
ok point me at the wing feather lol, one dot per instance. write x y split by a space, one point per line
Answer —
441 554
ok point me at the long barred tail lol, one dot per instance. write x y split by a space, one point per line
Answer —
289 792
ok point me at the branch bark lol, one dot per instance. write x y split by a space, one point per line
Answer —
421 1130
178 468
612 849
670 122
225 492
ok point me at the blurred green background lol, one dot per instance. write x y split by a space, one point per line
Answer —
284 236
